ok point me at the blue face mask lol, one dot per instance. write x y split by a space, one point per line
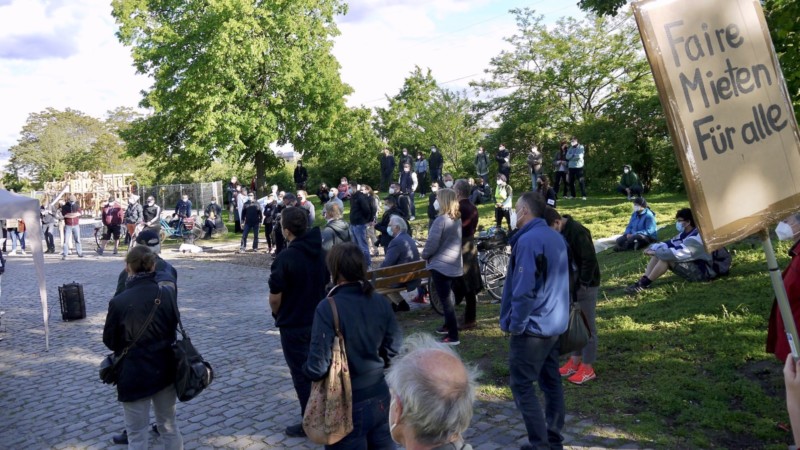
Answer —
390 231
679 226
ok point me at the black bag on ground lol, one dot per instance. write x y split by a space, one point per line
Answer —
721 261
578 333
73 306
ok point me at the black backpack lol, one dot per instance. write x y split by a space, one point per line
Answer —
721 260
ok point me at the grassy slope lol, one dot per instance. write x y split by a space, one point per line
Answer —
680 366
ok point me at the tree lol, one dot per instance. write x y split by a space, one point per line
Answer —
232 77
399 124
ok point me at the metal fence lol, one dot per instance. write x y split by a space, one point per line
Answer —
167 195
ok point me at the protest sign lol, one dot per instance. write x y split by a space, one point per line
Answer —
728 110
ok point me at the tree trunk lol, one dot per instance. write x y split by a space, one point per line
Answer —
261 175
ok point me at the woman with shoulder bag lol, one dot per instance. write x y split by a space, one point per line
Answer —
372 338
140 328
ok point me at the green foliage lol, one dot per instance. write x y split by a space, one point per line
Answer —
423 114
232 77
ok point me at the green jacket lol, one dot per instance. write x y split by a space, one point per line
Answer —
629 180
579 239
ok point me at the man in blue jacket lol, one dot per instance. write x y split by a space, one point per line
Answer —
641 230
535 311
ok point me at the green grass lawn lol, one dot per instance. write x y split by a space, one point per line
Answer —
681 365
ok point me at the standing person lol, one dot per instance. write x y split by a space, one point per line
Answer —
373 338
362 212
372 238
579 368
560 168
305 203
269 216
289 200
549 194
22 233
387 169
432 212
183 209
133 217
334 197
237 214
112 219
535 165
60 217
11 231
251 216
72 229
406 158
575 155
642 229
482 165
503 197
48 226
296 284
300 176
232 189
443 253
336 230
147 372
435 164
503 158
470 284
151 214
241 199
344 190
213 214
421 169
432 396
629 184
408 184
534 311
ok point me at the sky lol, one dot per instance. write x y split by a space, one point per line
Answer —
64 53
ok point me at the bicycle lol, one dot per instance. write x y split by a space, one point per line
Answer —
100 231
493 257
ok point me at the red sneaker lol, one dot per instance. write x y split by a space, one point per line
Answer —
583 375
569 368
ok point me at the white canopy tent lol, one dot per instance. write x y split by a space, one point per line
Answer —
15 206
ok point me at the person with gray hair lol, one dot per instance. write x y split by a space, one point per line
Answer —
432 393
402 249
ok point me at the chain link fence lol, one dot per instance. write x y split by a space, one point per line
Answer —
167 195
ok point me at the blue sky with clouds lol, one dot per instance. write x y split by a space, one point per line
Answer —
63 53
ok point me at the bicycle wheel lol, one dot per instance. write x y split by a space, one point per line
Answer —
494 273
436 302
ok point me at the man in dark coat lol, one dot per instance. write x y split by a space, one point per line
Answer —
435 164
300 176
387 169
503 158
296 285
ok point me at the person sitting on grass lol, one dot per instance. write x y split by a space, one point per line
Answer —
684 254
641 230
629 184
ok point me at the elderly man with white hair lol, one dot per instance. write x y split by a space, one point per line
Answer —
432 392
402 249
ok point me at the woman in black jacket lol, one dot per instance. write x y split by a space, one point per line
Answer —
147 369
372 337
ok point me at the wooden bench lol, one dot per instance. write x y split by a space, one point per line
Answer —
385 279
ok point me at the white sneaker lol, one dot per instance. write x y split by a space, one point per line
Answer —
412 218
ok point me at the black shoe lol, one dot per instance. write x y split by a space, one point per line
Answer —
295 430
403 306
120 439
155 429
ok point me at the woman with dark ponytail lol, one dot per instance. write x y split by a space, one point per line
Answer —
372 338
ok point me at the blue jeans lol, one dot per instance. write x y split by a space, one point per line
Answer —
359 233
247 229
370 426
534 359
295 343
72 232
444 287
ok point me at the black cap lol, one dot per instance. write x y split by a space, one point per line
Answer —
149 238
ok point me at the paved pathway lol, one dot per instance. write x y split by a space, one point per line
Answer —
55 400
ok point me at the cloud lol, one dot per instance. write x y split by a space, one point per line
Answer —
38 46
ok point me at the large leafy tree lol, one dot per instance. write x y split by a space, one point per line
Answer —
232 77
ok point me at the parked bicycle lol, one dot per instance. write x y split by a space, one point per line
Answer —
493 256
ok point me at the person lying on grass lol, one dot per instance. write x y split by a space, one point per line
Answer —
684 255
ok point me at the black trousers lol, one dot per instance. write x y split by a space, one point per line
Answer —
499 214
295 343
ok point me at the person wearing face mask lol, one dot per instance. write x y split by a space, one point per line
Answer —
503 197
421 169
560 168
481 193
269 215
435 164
684 255
72 230
575 154
252 215
183 209
642 229
151 214
432 396
401 200
629 184
387 168
323 194
373 338
112 218
305 203
362 213
390 209
344 190
482 165
408 184
288 201
300 176
405 158
788 229
213 218
535 158
503 159
433 210
333 198
134 215
448 181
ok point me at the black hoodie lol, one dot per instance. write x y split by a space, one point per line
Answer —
300 275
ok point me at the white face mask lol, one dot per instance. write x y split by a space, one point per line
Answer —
784 231
436 205
391 190
407 169
625 170
434 188
386 208
636 208
574 143
448 184
152 202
